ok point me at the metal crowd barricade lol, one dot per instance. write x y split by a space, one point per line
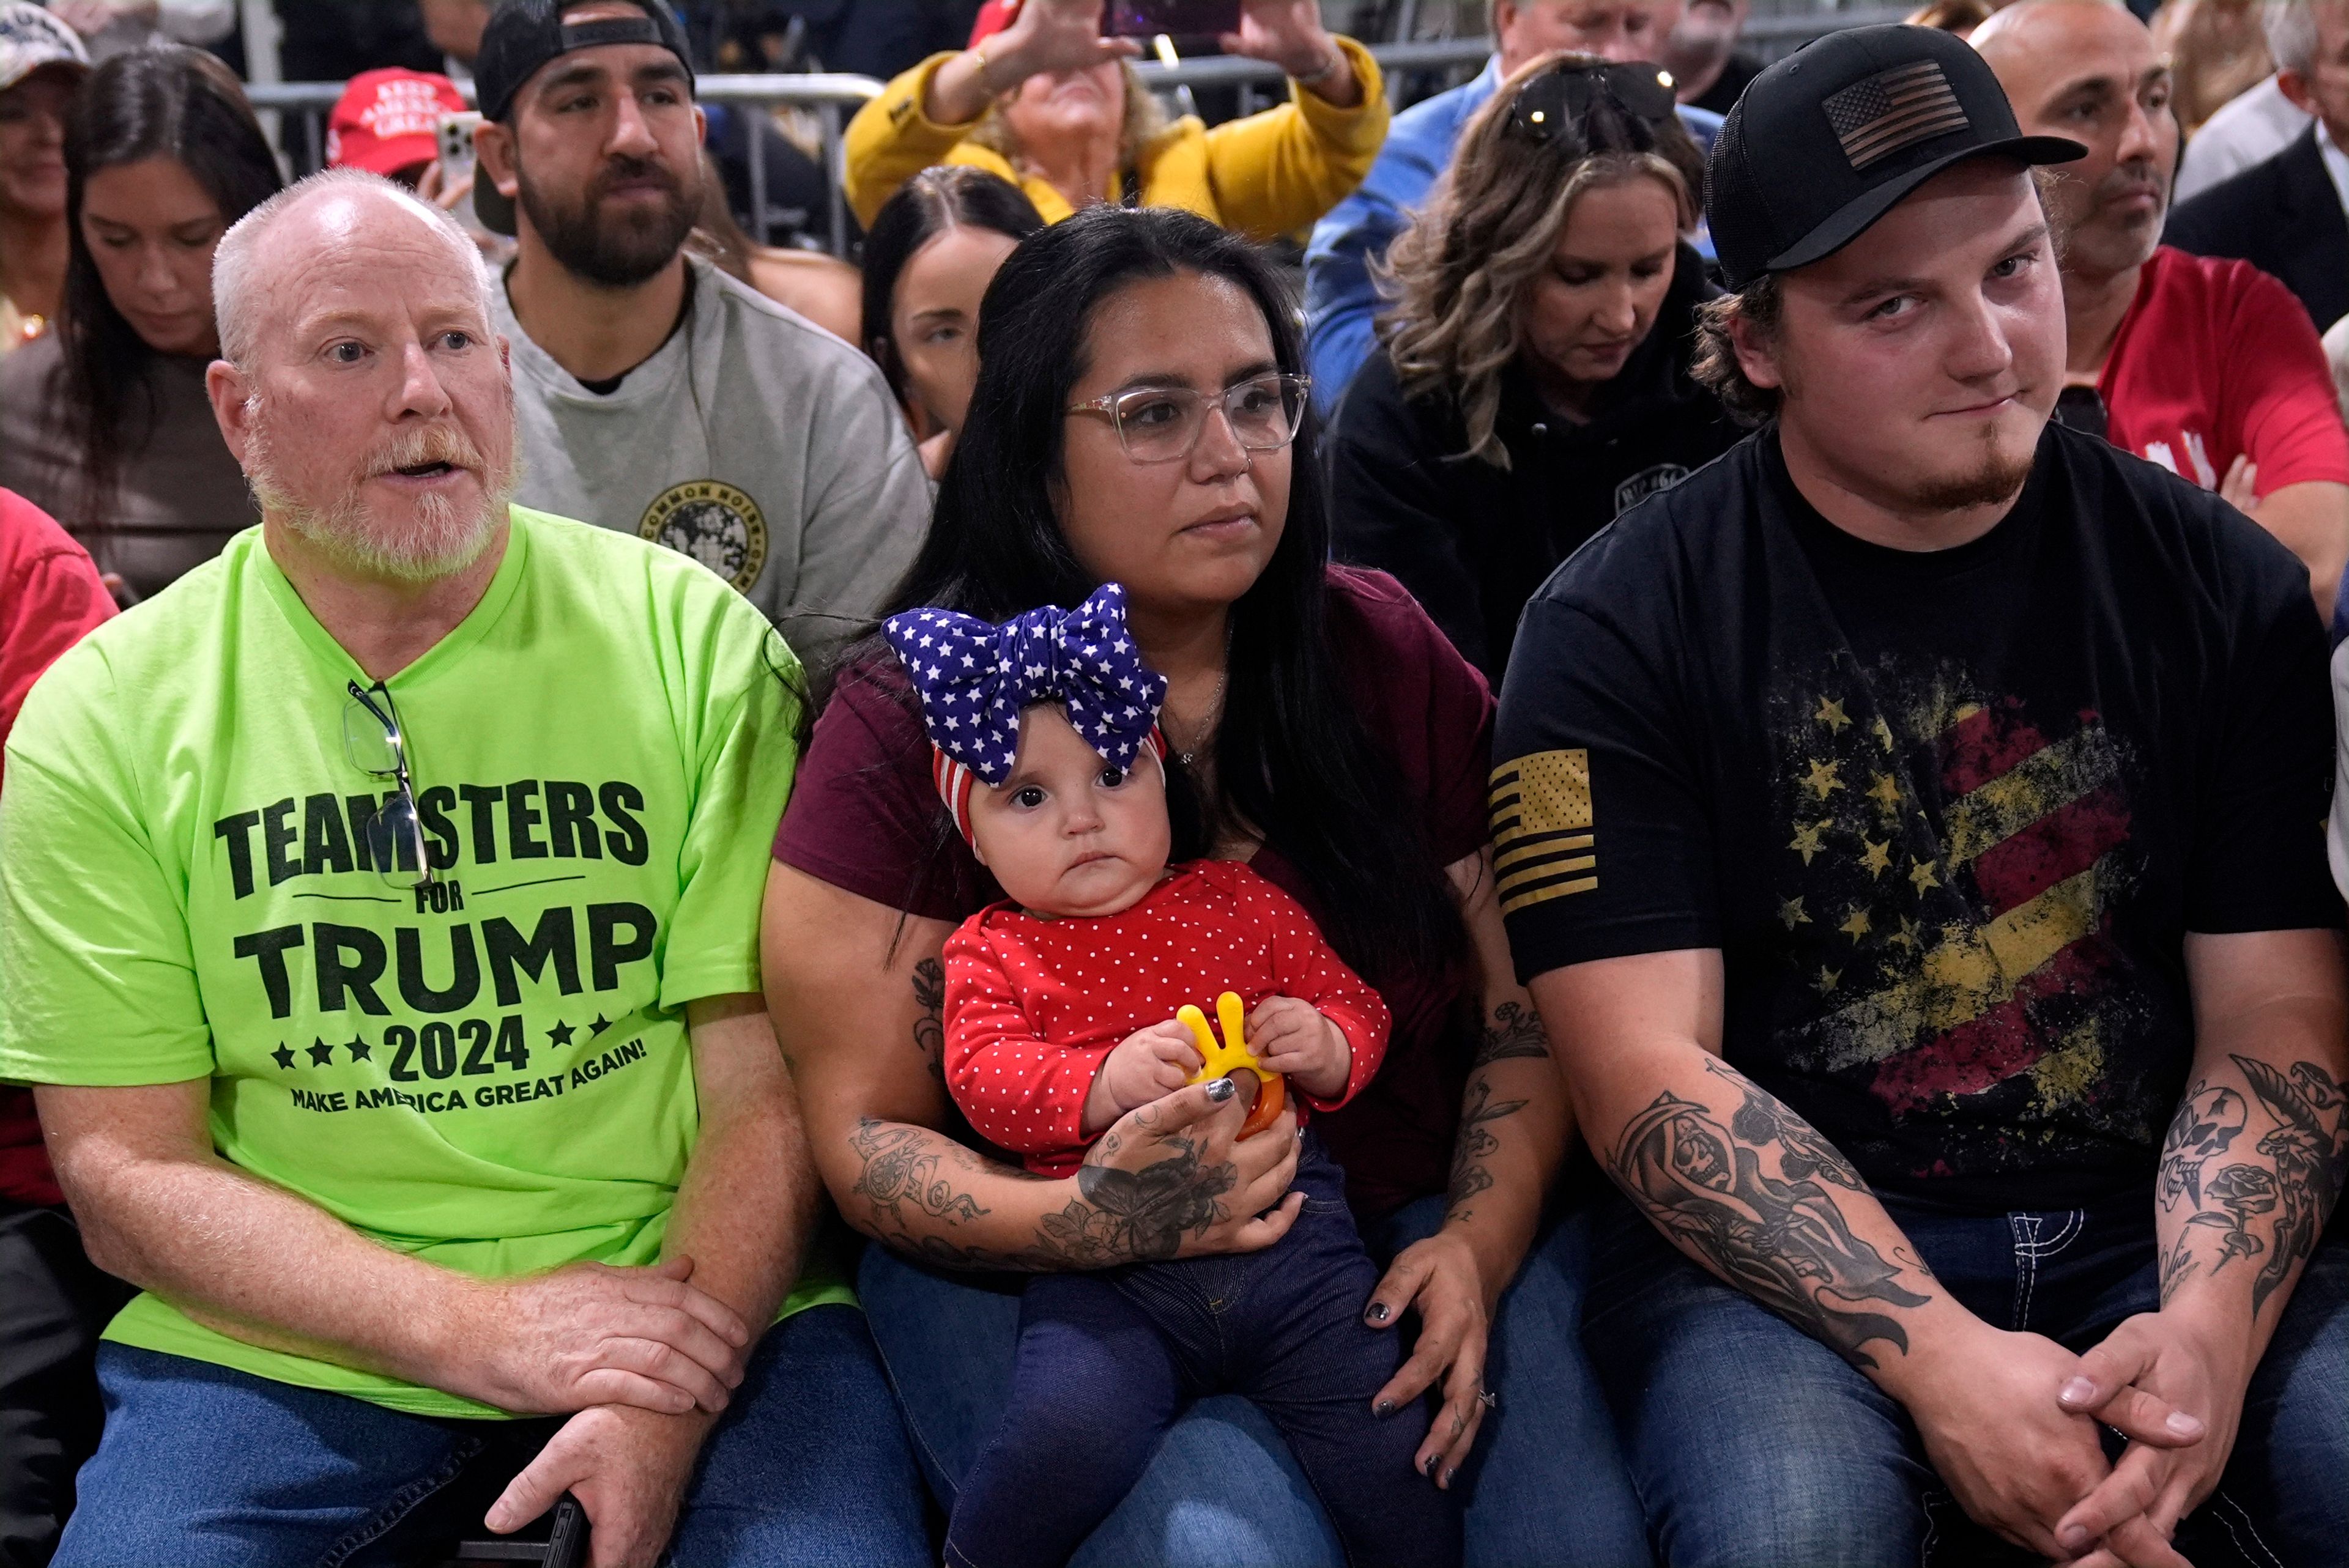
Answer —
829 94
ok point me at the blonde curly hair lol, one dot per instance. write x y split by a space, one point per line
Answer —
1460 273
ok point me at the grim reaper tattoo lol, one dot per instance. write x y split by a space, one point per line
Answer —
1786 1242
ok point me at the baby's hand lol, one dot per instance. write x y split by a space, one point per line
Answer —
1290 1037
1145 1066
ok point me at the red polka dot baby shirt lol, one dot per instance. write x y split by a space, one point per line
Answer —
1034 1006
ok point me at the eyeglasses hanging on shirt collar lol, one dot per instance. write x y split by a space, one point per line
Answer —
1561 98
373 742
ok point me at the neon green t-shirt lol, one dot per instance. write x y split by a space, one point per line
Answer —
492 1074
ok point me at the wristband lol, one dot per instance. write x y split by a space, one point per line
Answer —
1337 59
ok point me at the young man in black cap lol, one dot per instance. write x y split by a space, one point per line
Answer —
1902 822
656 394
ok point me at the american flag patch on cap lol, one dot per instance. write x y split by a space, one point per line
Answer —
1892 109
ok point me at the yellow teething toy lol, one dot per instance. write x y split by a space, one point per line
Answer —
1230 1055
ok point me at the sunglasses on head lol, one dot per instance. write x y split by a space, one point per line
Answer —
1564 94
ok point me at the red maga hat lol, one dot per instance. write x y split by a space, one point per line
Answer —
388 120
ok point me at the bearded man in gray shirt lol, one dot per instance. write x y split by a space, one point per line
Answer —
657 396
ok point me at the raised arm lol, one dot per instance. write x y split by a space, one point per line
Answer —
159 1208
2251 1167
1752 1194
856 988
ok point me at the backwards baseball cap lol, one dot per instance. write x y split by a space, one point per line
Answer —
30 39
1829 140
523 35
388 120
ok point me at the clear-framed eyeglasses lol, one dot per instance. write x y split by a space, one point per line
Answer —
1162 424
375 745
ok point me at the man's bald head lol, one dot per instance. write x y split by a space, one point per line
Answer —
338 209
2089 69
2031 25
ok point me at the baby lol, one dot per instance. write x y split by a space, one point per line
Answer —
1061 1017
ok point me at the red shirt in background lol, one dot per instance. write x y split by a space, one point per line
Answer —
1035 1006
2215 358
866 818
50 596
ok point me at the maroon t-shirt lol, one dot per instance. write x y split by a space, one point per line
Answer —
866 818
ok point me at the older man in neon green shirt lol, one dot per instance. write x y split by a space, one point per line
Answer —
378 924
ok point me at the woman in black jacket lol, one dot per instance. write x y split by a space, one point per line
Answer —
1533 381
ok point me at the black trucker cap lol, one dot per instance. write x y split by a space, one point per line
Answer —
1825 141
525 35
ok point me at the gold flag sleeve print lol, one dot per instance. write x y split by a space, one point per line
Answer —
1544 845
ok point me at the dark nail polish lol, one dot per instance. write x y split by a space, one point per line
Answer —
1378 1312
1384 1407
1447 1481
1222 1089
1432 1460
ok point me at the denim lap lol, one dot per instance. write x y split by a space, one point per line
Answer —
1749 1441
201 1466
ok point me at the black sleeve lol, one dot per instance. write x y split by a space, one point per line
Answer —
1604 845
2258 860
1388 509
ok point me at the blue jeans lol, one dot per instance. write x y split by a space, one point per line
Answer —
1106 1361
1751 1442
1545 1485
203 1467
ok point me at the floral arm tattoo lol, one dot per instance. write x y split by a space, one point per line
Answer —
1784 1240
1514 1030
2265 1198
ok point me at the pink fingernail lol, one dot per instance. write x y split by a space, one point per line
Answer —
2182 1425
2078 1391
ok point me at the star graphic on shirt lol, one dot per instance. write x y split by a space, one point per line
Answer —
321 1053
283 1057
1828 980
1884 791
1806 841
1791 912
1832 714
599 1025
1883 733
1906 936
1922 876
1857 926
360 1050
1822 780
1878 858
560 1034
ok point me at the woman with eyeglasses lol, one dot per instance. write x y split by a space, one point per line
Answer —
1139 418
1533 380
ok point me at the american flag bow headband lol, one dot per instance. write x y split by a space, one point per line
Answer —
973 679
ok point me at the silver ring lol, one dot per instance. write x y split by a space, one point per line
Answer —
1486 1397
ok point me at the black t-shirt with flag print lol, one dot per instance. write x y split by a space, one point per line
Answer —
1948 815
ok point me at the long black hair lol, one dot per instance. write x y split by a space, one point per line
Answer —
942 197
1293 760
168 102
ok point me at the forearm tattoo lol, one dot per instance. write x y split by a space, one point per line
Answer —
1477 1145
2284 1185
1782 1240
1513 1031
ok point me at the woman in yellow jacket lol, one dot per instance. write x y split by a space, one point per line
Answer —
1045 102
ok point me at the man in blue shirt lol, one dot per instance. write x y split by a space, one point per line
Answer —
1341 297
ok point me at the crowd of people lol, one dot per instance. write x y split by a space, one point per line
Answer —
1591 822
